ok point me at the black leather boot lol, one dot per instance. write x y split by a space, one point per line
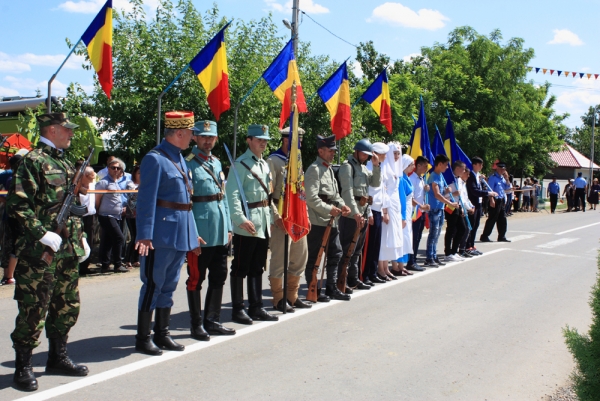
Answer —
238 312
212 312
143 342
162 337
196 329
300 304
332 292
256 311
24 378
59 362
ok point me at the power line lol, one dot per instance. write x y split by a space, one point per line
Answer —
342 39
568 86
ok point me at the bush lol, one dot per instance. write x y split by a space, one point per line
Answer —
586 350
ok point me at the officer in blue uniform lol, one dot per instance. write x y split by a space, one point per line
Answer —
499 184
166 230
211 213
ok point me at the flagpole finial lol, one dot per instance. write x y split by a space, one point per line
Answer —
447 113
436 127
421 97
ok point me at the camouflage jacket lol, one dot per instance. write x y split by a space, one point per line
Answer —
34 200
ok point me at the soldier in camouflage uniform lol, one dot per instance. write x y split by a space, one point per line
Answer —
46 294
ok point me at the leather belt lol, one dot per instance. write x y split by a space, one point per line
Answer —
208 198
262 203
363 200
174 205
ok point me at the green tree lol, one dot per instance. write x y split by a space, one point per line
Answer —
580 138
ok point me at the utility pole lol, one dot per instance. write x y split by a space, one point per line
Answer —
295 13
592 150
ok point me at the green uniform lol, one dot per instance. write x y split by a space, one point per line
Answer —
45 294
320 180
356 183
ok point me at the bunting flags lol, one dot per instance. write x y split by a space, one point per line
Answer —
210 65
419 144
280 76
378 96
559 72
335 93
98 40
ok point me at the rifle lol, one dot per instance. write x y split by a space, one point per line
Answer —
343 275
312 288
67 207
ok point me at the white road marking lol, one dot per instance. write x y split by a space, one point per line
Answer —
521 237
529 232
558 242
215 340
575 229
555 254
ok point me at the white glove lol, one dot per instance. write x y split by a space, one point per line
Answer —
52 240
87 250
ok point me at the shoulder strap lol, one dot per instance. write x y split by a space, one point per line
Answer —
209 171
187 183
260 181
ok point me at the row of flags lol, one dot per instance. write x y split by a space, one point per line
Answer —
566 74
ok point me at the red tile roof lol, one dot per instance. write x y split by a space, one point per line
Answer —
569 157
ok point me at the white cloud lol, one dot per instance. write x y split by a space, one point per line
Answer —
357 69
397 14
8 64
6 92
28 86
564 36
408 58
308 6
576 101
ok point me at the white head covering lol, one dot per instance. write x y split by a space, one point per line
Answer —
392 166
407 160
381 148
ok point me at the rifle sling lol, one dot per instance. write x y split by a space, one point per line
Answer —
260 181
187 183
209 171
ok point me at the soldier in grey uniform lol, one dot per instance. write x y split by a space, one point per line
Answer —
323 201
355 180
250 233
298 251
211 213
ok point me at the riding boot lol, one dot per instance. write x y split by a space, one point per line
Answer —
59 362
276 289
256 310
24 378
212 312
238 312
292 293
196 329
162 337
143 342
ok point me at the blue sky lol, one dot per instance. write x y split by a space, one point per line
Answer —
34 32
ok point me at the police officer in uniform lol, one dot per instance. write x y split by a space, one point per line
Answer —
214 227
355 180
45 294
166 230
323 201
297 250
250 233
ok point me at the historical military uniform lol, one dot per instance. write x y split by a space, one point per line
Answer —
46 294
297 251
355 179
213 223
250 251
322 194
164 216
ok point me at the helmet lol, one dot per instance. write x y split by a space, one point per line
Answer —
364 145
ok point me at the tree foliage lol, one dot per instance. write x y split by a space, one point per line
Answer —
580 138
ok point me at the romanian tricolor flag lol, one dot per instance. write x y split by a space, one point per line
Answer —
453 151
419 144
210 65
378 96
439 149
280 76
98 40
335 93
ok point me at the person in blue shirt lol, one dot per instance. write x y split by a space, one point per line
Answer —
552 192
437 202
500 184
580 185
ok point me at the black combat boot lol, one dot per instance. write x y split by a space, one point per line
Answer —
256 311
59 362
196 329
24 378
332 292
212 312
143 342
162 337
238 312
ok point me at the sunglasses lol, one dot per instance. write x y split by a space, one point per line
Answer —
115 168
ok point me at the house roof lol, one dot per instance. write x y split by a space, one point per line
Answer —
569 157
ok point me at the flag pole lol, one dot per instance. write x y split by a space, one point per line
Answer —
160 101
48 101
235 115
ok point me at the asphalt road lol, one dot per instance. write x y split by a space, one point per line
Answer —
489 328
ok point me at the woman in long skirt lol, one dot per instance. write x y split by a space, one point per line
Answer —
406 189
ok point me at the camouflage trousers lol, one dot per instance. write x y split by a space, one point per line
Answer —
46 295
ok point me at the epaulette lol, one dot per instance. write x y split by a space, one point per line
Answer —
189 157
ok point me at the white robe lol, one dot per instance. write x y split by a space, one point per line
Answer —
391 233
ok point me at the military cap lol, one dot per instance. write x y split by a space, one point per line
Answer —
501 164
380 148
286 132
46 120
326 142
258 131
206 128
180 120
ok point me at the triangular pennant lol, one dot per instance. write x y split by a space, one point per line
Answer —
566 74
537 69
589 76
544 70
574 73
595 76
559 72
551 72
529 68
581 75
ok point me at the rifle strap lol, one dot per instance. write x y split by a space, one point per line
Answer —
260 181
187 183
209 171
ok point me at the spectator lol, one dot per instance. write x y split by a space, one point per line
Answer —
88 181
110 211
509 198
552 192
535 194
131 256
11 230
568 193
526 196
593 199
517 197
581 186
